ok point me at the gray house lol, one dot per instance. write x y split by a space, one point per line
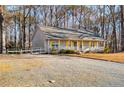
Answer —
48 38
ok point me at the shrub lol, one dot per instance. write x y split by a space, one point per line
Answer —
107 50
54 51
70 51
63 51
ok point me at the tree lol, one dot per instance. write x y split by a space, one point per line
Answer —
106 21
1 32
113 19
122 27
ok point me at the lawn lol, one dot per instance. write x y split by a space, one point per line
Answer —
27 70
18 62
115 57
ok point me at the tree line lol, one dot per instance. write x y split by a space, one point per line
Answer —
106 20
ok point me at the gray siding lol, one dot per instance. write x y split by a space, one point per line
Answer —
39 39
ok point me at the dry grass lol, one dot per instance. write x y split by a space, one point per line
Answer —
19 62
115 57
5 67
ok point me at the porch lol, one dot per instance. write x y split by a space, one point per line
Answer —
79 45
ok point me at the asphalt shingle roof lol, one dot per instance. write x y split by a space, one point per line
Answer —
61 33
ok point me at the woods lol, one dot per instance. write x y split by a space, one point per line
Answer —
20 23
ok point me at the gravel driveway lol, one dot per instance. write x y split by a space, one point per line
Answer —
60 71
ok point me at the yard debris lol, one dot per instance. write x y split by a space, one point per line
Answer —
51 81
27 69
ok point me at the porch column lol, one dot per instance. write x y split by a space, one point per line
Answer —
48 47
66 44
89 44
82 45
77 45
71 44
97 44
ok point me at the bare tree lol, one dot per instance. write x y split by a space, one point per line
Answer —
122 27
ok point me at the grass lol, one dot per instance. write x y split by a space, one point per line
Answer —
10 63
5 67
114 57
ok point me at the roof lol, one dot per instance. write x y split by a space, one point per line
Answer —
75 34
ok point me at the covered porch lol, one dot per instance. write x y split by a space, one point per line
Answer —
79 45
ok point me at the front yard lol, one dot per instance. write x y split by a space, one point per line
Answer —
28 70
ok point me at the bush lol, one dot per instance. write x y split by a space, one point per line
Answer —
106 50
54 51
63 51
70 51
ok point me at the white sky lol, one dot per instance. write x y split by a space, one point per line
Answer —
62 2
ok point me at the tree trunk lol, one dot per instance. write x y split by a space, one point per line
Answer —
1 32
1 37
64 20
56 17
23 28
15 31
73 17
80 20
29 37
122 28
103 22
51 16
114 38
20 32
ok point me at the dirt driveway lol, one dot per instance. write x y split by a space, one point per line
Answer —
52 70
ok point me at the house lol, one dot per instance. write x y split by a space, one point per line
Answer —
48 38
